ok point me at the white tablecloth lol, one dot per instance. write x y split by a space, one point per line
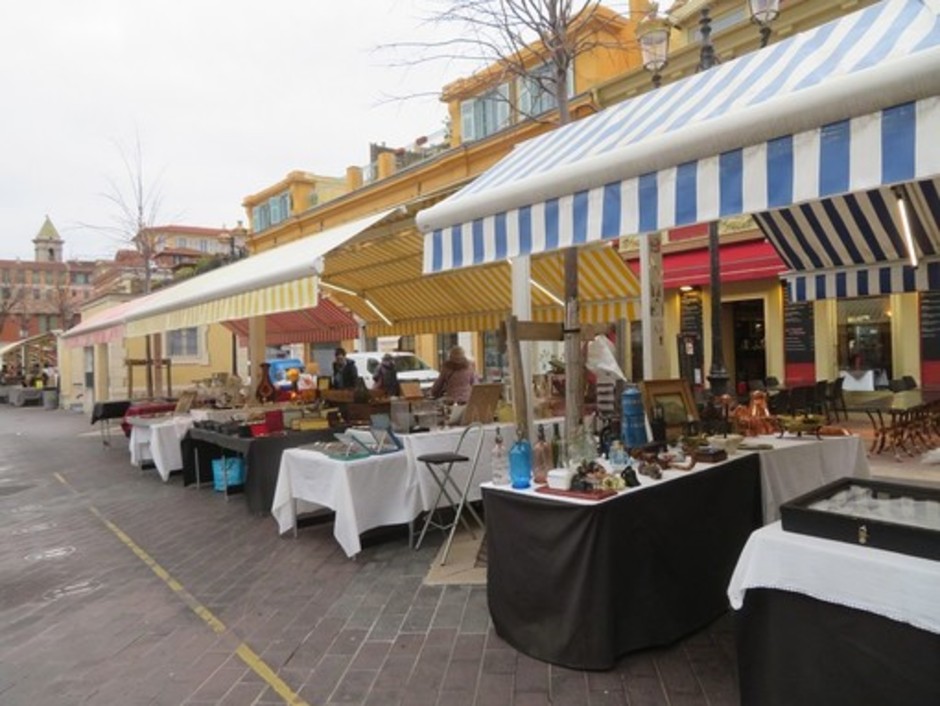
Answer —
446 440
364 493
798 465
896 586
157 439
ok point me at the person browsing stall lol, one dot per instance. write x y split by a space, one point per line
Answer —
386 377
345 372
456 378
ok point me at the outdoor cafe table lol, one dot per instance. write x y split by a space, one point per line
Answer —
902 426
825 622
580 583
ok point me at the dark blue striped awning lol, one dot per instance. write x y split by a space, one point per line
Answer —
846 107
854 245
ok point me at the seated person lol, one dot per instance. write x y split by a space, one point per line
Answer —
456 378
345 373
386 377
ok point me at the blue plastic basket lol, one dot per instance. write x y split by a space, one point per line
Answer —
234 470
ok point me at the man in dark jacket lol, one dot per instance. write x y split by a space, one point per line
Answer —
386 377
345 373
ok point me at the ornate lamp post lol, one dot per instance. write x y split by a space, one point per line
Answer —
652 33
763 12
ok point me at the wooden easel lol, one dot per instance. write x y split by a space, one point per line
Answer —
131 363
517 331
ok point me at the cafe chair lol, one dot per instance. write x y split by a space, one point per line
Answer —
820 403
441 466
835 399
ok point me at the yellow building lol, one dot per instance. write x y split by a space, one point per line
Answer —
490 112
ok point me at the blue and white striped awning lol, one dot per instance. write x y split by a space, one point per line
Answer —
848 106
854 245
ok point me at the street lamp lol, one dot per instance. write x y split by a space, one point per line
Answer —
763 12
652 33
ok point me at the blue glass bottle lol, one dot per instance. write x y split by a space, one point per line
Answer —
632 418
520 462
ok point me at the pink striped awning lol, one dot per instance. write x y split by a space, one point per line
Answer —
326 322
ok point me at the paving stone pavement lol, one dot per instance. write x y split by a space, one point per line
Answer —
85 620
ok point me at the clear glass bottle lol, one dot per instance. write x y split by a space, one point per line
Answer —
541 457
558 449
499 461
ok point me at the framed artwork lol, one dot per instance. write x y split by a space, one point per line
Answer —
674 397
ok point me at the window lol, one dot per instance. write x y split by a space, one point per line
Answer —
183 343
271 212
50 278
864 334
6 276
203 245
37 277
182 243
536 93
484 115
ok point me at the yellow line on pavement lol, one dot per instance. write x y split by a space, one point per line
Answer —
251 659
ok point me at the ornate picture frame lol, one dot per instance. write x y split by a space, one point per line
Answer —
674 396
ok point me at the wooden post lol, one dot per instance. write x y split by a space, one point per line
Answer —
520 398
574 395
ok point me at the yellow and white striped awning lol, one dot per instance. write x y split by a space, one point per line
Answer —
384 275
278 298
274 281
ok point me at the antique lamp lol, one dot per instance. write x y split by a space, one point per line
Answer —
652 33
763 12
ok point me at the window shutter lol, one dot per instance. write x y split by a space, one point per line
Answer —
502 107
467 126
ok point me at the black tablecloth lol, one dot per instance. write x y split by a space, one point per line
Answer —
582 585
114 409
793 649
262 459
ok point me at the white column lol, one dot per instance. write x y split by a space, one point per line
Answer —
522 309
655 362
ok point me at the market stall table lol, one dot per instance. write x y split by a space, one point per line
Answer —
797 465
364 493
441 440
21 396
157 439
825 622
262 459
580 583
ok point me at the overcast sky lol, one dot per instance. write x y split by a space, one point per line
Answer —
226 96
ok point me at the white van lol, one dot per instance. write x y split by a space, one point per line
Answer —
409 367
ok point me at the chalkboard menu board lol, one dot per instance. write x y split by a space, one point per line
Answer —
930 325
690 312
798 341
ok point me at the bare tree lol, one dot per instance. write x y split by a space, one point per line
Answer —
135 205
533 40
536 41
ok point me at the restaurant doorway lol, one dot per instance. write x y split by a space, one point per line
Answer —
750 355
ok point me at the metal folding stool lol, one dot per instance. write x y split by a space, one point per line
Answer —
441 466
